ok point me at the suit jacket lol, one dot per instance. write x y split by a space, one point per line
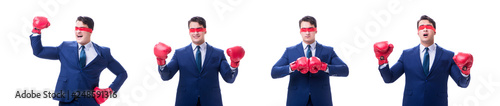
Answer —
421 89
74 79
316 85
194 84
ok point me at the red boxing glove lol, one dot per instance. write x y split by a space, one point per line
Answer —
382 51
315 65
161 52
39 23
235 54
464 62
301 64
101 95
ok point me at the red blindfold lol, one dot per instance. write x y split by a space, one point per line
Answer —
83 29
307 29
197 30
422 27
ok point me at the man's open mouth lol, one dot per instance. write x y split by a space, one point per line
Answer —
426 34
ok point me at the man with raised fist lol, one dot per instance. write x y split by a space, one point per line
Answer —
426 67
199 65
309 65
82 62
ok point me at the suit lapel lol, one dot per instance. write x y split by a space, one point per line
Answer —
319 47
416 54
75 52
207 54
300 50
189 50
439 52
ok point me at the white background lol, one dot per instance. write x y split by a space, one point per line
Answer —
264 28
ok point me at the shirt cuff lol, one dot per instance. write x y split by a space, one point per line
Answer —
35 34
382 66
327 70
163 67
233 69
464 75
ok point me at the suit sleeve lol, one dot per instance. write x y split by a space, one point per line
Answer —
43 52
337 66
392 74
116 68
169 71
225 70
457 76
282 67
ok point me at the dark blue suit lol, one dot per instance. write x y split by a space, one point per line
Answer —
194 84
422 90
73 78
316 85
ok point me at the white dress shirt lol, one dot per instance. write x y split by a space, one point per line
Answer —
90 52
203 50
432 54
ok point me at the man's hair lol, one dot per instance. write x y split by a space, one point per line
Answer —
309 19
199 20
425 17
87 21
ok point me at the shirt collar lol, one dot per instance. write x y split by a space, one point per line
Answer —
313 45
203 46
87 46
431 48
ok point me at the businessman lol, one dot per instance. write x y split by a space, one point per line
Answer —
426 67
199 65
82 62
309 65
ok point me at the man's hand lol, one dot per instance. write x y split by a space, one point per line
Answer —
301 64
382 51
39 23
161 51
464 62
101 95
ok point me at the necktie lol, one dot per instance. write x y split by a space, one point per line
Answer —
198 58
309 53
426 61
83 57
